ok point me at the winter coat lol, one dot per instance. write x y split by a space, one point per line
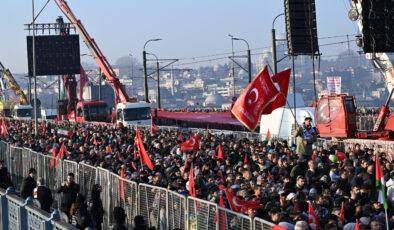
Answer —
27 187
390 191
305 149
5 178
96 209
69 196
44 196
82 218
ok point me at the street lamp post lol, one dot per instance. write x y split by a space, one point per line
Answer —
273 39
34 72
249 58
158 80
132 79
232 66
144 67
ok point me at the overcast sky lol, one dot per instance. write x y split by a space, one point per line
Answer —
189 28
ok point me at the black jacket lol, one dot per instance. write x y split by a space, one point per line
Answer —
44 196
82 218
5 179
97 210
27 187
69 195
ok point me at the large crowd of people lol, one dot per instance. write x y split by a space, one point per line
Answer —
286 180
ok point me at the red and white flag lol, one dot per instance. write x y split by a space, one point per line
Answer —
192 190
255 99
281 81
3 128
192 143
239 205
312 219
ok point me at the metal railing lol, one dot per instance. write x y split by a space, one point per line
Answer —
162 208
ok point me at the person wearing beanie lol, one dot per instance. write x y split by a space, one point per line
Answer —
28 184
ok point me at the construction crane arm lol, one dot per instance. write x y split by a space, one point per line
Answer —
13 84
107 70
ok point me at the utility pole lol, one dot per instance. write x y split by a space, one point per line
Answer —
146 90
273 44
249 66
158 84
132 79
34 73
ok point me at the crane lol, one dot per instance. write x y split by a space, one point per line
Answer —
128 110
17 109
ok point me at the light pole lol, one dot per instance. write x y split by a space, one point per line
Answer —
273 39
249 58
158 80
132 79
232 66
144 67
34 73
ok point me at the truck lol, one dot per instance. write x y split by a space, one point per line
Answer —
126 107
9 108
336 114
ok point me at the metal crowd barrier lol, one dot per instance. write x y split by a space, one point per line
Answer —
260 224
162 208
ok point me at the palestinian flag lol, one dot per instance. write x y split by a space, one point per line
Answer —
362 109
63 152
268 138
68 132
380 183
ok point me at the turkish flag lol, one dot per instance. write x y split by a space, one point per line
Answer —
143 154
281 82
3 128
83 79
153 127
54 151
255 99
221 153
312 220
239 205
180 137
192 143
222 223
191 183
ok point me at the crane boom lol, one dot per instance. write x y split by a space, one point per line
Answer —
13 84
109 73
381 61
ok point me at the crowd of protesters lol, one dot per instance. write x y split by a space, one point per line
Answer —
284 179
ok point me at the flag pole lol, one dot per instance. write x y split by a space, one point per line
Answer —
387 219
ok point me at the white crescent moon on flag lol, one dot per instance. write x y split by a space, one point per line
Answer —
257 95
235 202
193 141
312 218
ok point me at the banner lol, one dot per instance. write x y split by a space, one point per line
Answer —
333 85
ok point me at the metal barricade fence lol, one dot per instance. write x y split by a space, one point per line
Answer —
124 194
16 167
153 205
103 179
4 152
231 220
176 210
48 171
69 167
201 214
86 178
260 224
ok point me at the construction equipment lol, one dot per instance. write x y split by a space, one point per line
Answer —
336 114
16 109
123 102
